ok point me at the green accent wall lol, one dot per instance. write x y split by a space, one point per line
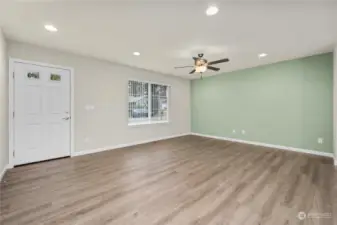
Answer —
287 103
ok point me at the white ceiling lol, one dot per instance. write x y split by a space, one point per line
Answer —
168 33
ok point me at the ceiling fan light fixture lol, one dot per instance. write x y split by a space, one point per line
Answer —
200 69
212 10
201 64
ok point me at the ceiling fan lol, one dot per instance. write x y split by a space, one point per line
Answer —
201 64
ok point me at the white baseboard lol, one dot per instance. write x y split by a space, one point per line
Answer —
91 151
307 151
2 173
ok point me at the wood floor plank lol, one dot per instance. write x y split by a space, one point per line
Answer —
182 181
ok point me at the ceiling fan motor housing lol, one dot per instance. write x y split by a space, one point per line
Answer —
200 62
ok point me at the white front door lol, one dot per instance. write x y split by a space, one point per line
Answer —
41 113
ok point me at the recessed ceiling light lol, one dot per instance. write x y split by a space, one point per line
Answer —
136 53
212 10
50 28
262 55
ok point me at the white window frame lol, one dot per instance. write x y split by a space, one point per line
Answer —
148 122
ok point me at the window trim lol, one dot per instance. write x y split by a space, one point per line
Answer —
149 122
133 124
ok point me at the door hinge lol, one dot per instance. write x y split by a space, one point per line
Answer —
14 153
13 74
13 114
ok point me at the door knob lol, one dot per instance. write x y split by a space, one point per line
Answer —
66 118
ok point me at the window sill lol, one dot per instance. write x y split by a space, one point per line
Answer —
146 123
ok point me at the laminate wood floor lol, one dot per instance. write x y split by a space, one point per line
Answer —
182 181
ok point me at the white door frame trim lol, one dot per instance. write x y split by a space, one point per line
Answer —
12 61
335 105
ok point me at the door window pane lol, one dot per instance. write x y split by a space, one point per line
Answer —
55 77
33 75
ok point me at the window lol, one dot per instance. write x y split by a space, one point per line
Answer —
148 103
55 77
33 75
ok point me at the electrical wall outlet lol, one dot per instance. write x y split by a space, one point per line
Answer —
320 140
243 132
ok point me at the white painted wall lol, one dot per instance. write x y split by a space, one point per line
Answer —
104 85
335 103
3 104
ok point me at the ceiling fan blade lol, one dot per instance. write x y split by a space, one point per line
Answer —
192 71
213 68
178 67
218 61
